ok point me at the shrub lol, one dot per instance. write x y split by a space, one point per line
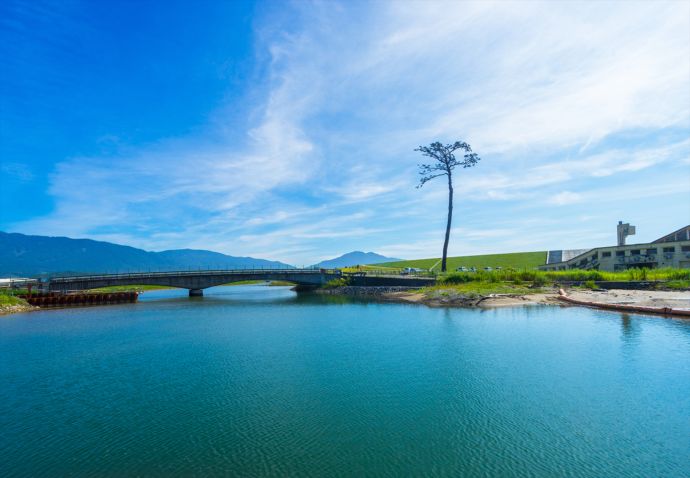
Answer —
458 278
335 283
590 284
679 274
637 274
539 280
676 285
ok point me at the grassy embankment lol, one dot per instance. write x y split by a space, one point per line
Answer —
7 299
519 274
10 303
519 271
481 283
516 260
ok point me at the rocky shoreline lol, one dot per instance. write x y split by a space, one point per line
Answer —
15 309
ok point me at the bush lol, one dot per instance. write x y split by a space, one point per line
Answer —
590 284
539 280
335 283
676 285
458 278
679 274
637 274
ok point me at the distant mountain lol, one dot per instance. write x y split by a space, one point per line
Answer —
355 258
22 255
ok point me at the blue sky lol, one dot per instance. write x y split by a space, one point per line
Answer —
286 130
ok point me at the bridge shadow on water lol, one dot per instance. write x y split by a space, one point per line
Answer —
254 294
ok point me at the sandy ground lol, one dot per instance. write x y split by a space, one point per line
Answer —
493 300
647 298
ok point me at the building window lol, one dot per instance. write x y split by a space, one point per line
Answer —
595 256
635 252
652 251
685 248
620 253
669 249
606 254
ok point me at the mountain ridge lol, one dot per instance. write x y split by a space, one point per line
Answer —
30 255
354 258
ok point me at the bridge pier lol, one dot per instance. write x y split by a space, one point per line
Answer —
196 292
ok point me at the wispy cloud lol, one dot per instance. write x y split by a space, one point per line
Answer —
565 197
562 100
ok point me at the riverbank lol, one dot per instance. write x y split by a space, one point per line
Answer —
12 305
506 296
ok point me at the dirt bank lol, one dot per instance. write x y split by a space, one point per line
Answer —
450 298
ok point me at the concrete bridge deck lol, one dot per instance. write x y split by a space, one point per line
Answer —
197 281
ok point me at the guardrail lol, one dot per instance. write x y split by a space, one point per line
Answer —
391 273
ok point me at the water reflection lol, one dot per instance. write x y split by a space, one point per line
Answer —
629 331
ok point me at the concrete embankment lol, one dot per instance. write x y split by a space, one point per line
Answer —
368 291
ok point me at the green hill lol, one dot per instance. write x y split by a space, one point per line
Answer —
516 260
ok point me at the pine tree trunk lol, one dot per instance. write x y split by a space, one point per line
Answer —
450 218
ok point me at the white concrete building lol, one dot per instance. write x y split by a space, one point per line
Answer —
671 250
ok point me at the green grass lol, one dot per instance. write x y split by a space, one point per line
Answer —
516 260
335 283
676 285
574 275
280 283
144 288
7 299
245 282
254 282
481 288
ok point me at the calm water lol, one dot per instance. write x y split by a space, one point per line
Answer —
256 381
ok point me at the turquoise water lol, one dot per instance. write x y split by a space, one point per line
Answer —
257 381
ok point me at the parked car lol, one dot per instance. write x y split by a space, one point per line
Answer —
488 269
473 269
462 269
410 270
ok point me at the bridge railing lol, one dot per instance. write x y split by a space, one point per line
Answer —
240 272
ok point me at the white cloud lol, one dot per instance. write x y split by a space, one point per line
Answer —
558 98
565 198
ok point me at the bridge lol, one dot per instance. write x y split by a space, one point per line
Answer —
195 281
